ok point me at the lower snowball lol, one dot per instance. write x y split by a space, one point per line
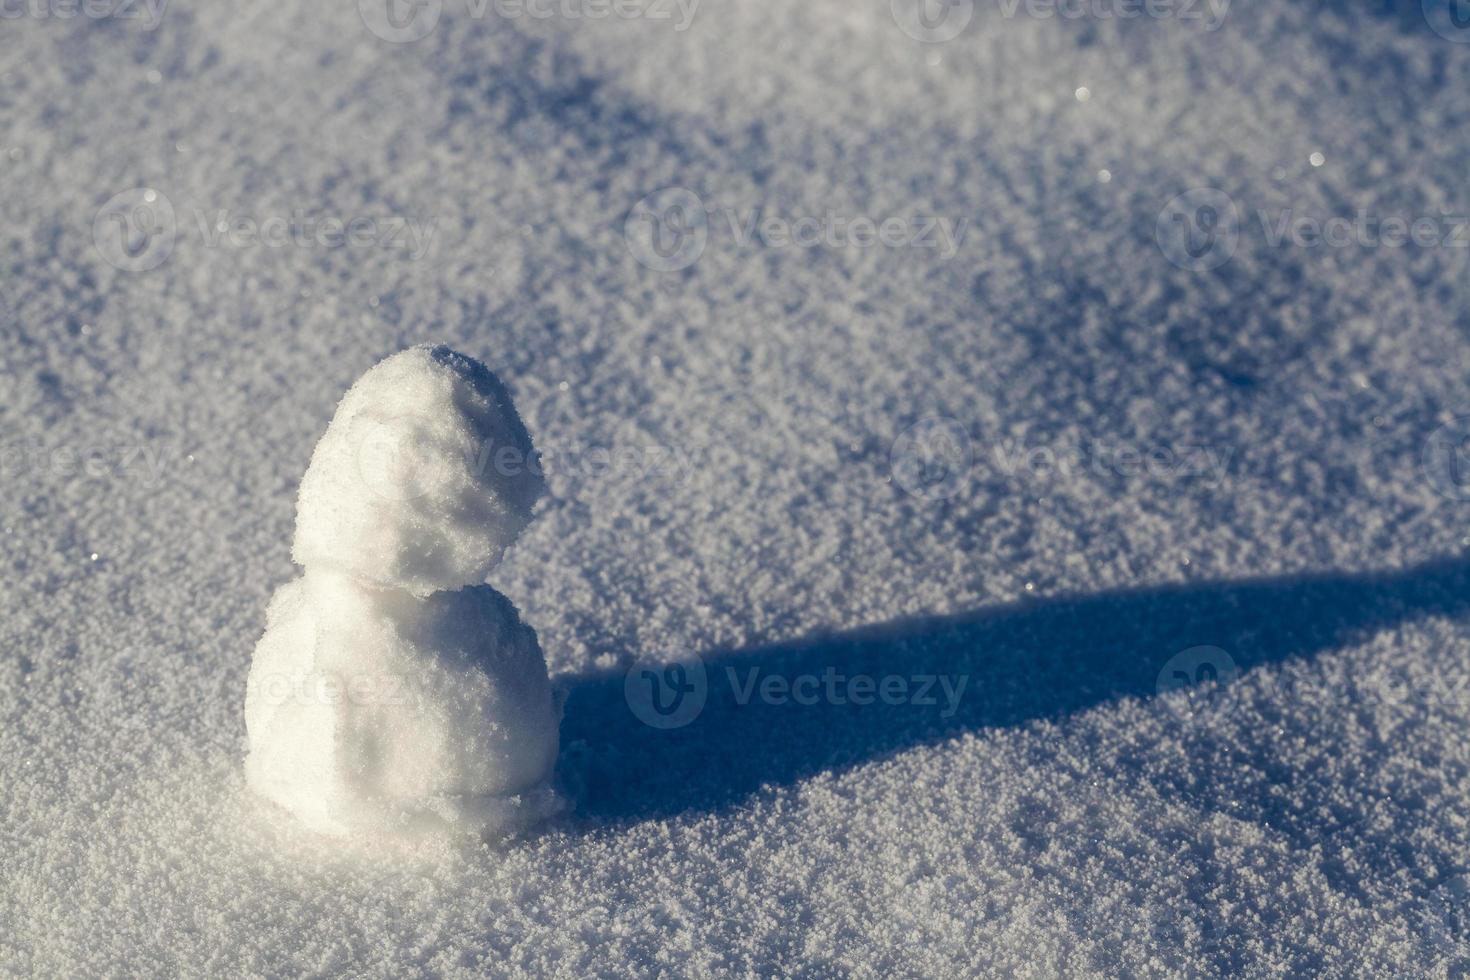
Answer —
372 710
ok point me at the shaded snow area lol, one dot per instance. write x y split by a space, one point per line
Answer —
1007 481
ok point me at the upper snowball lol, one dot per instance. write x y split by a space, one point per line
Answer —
423 478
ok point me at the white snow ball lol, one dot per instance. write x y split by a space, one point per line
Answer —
423 478
373 710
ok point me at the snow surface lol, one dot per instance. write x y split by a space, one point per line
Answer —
1159 458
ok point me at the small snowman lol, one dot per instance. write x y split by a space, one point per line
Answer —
393 691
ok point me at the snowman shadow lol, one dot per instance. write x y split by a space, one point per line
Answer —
776 715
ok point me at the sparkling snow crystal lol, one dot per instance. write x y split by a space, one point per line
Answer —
375 702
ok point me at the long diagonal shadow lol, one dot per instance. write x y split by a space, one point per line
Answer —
1033 660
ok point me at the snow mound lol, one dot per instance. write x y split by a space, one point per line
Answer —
376 710
423 478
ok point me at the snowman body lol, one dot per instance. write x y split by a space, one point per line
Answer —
392 691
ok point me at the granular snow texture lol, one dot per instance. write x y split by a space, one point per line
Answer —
374 711
1132 451
393 692
423 479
